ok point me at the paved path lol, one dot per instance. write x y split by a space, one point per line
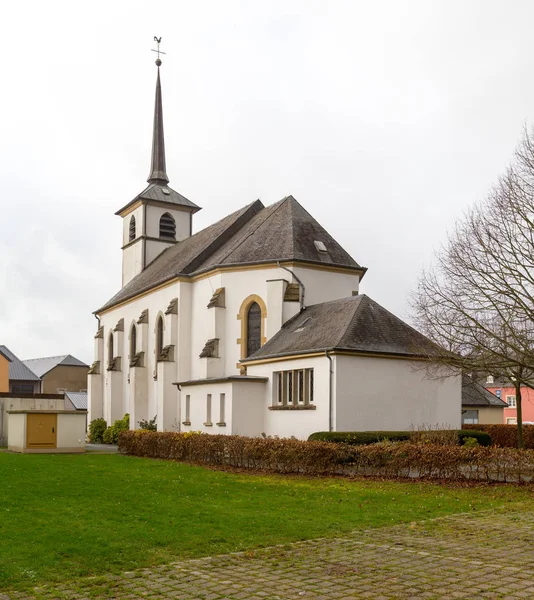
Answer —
486 555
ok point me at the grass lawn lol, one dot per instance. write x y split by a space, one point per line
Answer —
66 516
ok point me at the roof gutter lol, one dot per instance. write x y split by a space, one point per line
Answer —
330 403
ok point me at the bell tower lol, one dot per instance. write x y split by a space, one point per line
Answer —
159 216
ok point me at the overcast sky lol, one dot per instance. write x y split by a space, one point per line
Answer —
386 120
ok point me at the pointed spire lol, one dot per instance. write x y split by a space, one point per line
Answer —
158 173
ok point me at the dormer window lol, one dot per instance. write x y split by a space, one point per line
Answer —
131 232
167 227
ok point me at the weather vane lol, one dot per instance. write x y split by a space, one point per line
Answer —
158 42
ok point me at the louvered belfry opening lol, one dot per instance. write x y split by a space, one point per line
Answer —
167 226
253 328
131 235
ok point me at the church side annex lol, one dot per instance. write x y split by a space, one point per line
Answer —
252 326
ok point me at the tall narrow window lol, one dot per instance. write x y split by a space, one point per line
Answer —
131 234
133 341
167 226
222 402
208 410
159 337
187 410
110 348
253 328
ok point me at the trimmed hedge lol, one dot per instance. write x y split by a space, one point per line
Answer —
358 438
505 436
386 459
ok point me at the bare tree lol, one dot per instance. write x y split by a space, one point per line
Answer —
477 300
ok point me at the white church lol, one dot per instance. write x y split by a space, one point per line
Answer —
254 325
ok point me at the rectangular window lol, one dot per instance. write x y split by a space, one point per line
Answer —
208 410
470 417
498 393
293 388
188 408
222 402
511 421
510 400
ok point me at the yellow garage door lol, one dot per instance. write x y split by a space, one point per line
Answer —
41 431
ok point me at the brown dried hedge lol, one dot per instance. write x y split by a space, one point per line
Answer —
386 459
505 436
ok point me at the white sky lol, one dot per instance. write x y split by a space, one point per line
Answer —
385 119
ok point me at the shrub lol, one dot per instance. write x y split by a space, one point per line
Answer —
111 435
359 438
443 437
384 459
505 436
97 427
470 442
148 425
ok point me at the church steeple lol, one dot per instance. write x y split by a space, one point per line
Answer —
159 216
158 171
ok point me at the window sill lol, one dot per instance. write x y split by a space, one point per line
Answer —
186 423
207 424
221 424
303 407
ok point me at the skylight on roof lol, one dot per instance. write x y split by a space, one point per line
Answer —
166 191
320 246
303 325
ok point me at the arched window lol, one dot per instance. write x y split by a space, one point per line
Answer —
167 226
159 337
132 229
110 348
133 341
253 328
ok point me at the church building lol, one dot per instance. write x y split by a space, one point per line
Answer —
254 325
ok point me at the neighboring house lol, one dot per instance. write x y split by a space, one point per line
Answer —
4 372
252 325
505 390
22 380
60 374
479 405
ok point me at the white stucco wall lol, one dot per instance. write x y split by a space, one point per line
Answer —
17 432
71 432
189 331
392 394
322 286
297 423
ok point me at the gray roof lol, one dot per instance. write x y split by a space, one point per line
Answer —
162 193
355 324
252 235
474 394
18 371
41 366
78 399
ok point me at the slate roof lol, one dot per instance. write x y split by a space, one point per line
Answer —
18 371
474 394
252 235
78 399
357 323
156 191
41 366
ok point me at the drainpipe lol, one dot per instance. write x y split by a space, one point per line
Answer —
302 306
330 403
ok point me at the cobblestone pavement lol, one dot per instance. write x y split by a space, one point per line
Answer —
486 555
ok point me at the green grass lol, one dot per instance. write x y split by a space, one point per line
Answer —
69 516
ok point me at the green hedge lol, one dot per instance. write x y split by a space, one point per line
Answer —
359 438
363 438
